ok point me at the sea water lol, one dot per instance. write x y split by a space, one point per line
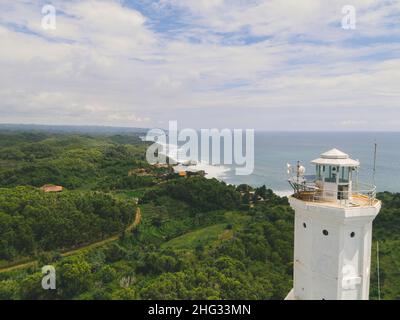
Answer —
273 150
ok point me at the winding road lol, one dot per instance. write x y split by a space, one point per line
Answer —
130 228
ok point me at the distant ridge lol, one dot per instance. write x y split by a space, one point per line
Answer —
71 129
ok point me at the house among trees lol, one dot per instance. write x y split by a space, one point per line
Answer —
182 173
51 188
141 172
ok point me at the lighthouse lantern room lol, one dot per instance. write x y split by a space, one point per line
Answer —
333 230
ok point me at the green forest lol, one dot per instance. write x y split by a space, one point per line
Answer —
197 238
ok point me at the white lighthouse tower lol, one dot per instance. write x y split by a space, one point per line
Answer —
333 230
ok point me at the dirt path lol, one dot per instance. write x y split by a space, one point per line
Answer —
138 219
24 265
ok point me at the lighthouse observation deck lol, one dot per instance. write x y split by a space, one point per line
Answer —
335 182
308 190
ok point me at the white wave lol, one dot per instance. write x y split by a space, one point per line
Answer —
175 153
213 171
283 193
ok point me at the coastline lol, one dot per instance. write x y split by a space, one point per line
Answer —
219 172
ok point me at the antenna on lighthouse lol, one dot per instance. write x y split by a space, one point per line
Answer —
378 270
374 170
322 204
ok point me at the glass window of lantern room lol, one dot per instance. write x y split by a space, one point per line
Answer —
335 172
327 173
319 171
330 175
344 175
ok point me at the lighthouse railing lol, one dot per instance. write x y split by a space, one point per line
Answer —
360 194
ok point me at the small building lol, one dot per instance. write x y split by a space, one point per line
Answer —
182 173
51 188
188 171
200 173
141 172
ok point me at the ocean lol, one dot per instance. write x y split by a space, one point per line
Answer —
274 150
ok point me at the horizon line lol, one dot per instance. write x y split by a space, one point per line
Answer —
149 128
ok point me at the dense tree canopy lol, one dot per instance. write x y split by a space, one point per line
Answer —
32 221
197 238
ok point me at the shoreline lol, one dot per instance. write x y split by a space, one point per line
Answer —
219 172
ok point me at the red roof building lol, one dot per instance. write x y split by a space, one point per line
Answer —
51 188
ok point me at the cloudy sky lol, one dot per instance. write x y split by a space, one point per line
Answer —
262 64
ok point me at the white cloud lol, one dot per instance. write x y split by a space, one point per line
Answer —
105 64
284 18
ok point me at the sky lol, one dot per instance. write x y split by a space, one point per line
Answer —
286 65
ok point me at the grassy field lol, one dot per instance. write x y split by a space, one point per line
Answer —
199 237
213 234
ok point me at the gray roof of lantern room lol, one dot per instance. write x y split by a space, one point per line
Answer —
336 157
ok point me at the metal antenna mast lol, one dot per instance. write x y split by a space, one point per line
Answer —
374 170
378 270
377 242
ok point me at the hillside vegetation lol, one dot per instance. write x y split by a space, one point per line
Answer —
198 238
32 221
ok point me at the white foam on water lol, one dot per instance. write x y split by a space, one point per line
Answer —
212 171
283 193
218 172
